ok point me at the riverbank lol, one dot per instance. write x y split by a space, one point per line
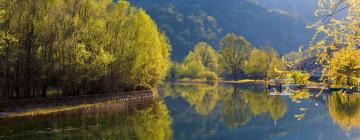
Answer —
28 107
310 86
244 81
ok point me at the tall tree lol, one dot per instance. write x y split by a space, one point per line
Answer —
334 32
344 67
234 53
79 46
207 56
202 62
263 61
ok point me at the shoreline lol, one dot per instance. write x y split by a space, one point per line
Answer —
311 86
43 106
222 81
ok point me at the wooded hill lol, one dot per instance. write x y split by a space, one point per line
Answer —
187 22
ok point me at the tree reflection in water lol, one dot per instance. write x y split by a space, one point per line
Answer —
237 105
201 97
106 121
234 107
344 110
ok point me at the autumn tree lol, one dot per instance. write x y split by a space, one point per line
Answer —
344 67
333 33
294 59
234 53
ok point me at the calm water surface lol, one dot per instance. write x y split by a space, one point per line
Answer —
195 112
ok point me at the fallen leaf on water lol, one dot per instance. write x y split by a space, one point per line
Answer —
303 109
299 116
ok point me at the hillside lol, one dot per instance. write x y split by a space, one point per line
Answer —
300 8
187 22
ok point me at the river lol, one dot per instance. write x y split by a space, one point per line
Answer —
201 111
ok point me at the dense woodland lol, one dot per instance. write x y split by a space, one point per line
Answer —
333 53
236 59
78 47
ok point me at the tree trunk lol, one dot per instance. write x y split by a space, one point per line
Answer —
265 76
235 76
44 89
348 80
28 65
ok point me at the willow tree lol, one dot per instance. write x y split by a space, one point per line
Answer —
202 62
234 53
141 51
82 46
335 32
8 57
263 61
207 56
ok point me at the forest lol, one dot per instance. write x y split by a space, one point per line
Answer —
333 54
237 58
78 47
84 47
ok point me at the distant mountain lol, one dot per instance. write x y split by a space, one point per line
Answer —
299 8
187 22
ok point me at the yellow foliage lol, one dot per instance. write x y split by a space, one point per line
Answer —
344 67
344 110
335 32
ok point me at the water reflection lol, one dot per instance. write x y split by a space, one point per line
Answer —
345 110
202 97
201 111
106 121
238 105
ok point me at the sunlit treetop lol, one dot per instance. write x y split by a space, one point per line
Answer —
338 27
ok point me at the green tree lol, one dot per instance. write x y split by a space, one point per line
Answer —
207 56
80 46
202 62
8 57
234 53
299 77
263 61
